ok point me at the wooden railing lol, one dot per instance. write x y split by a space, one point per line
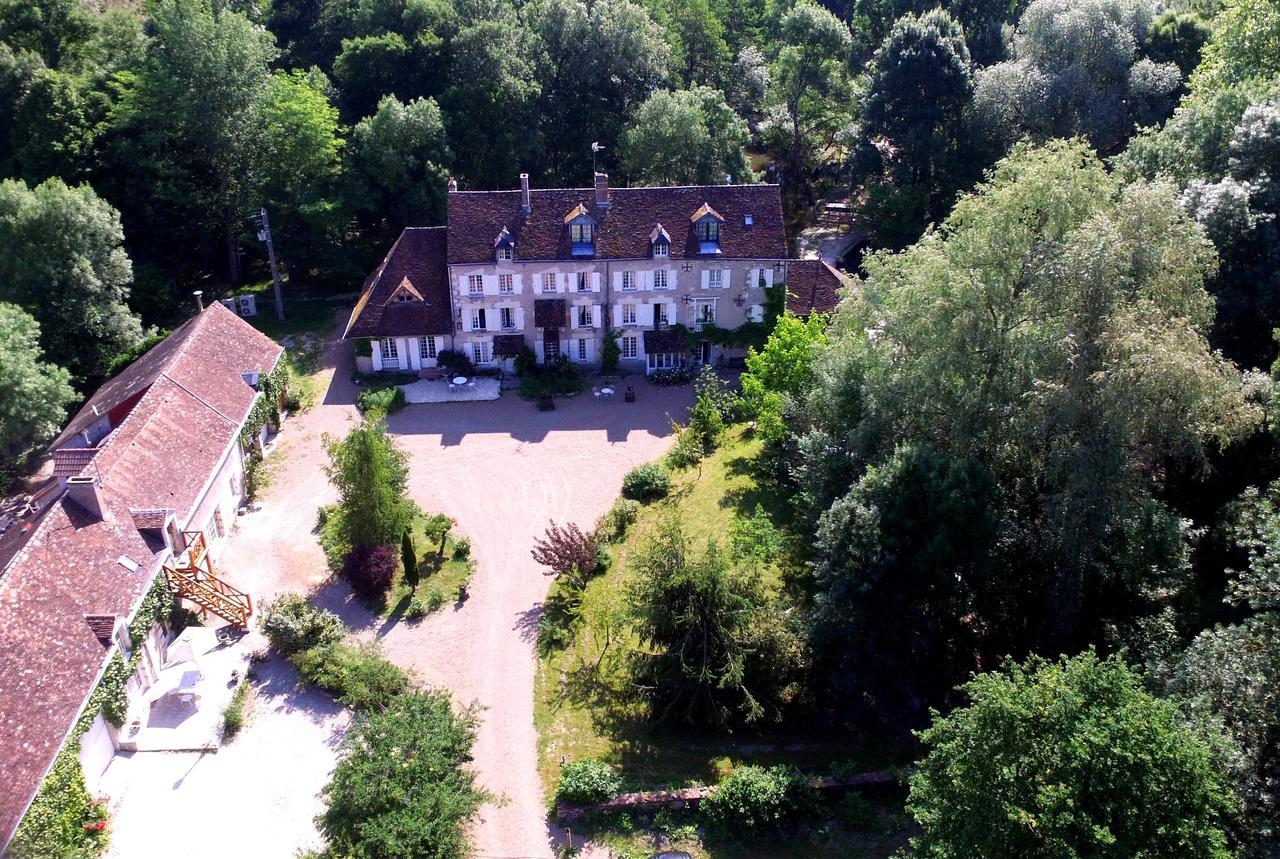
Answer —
192 578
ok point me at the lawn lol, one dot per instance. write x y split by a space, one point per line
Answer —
585 707
308 323
442 573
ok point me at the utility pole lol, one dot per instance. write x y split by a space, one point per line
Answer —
264 235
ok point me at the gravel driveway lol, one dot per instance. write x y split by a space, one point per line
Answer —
503 470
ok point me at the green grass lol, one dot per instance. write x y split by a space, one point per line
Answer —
236 713
307 325
441 576
585 706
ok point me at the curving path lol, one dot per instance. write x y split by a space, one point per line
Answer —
502 470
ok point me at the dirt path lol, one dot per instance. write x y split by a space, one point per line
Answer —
503 470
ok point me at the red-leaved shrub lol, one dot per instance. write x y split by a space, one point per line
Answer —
370 569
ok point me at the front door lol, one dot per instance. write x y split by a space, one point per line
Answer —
550 345
704 352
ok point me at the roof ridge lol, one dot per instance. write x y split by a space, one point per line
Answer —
201 399
612 189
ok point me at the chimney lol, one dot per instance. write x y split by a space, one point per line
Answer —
524 193
602 190
199 294
83 490
453 185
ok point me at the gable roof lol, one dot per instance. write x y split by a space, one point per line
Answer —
812 285
191 402
192 356
623 228
418 257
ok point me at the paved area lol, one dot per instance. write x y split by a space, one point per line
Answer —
502 469
441 391
257 796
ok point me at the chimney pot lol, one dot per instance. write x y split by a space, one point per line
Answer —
199 294
525 204
453 184
602 190
83 490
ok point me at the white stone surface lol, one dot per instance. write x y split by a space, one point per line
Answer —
424 391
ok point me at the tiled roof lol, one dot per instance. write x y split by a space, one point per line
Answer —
70 461
149 518
812 284
418 256
623 228
549 312
668 340
191 403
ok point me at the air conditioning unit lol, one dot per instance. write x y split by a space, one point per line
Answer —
248 305
230 304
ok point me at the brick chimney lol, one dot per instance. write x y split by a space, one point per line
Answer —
453 185
602 190
525 204
83 490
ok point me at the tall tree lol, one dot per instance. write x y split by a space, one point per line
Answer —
369 471
1068 758
399 157
919 90
34 394
1076 70
1054 330
62 261
686 137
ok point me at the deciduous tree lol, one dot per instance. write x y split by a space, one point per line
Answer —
34 394
685 137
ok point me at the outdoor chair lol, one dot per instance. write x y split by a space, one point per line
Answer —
595 392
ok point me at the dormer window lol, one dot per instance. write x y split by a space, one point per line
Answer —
706 226
504 246
582 231
660 241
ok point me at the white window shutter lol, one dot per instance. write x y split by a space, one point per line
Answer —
489 284
377 354
595 315
573 316
768 278
752 278
617 315
725 282
645 315
519 318
706 275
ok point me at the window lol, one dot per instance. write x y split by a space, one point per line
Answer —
480 353
389 352
661 250
506 284
708 230
628 314
404 295
504 254
715 279
584 281
628 281
580 234
582 349
477 319
549 281
475 285
584 316
663 361
660 315
747 220
704 311
660 279
629 347
215 524
426 348
508 318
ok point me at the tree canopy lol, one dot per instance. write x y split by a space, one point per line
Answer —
685 137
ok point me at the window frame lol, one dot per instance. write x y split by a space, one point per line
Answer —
389 350
426 347
506 284
478 315
708 230
629 281
549 277
475 284
660 280
634 343
582 233
634 316
586 317
584 281
582 349
503 314
715 278
505 254
481 352
700 305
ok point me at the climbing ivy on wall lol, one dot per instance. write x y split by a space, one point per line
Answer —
266 407
64 819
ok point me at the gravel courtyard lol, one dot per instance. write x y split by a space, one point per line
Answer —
502 469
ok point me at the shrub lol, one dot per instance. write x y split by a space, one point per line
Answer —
402 786
687 451
360 677
333 536
436 527
526 363
233 716
646 482
455 362
610 352
370 569
409 560
385 400
754 801
706 423
586 782
674 376
462 548
293 624
417 608
755 537
568 553
621 516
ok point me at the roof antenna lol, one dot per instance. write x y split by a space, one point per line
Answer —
595 147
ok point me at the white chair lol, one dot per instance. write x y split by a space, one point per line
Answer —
595 392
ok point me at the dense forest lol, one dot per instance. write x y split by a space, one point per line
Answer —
1041 424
